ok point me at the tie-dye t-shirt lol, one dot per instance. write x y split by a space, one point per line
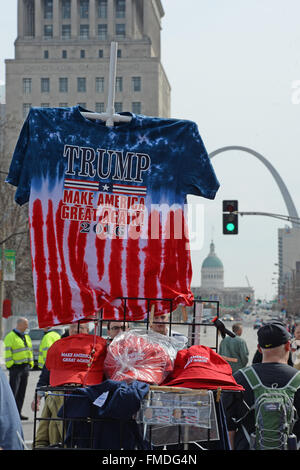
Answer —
107 211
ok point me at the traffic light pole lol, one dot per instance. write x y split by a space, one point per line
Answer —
294 220
230 217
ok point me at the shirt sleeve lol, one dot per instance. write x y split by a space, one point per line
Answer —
243 353
197 174
18 174
234 403
44 378
10 423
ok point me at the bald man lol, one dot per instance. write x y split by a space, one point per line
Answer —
19 360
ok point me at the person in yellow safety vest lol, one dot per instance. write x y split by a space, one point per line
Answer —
18 357
48 339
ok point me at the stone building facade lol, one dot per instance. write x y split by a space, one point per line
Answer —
62 55
213 288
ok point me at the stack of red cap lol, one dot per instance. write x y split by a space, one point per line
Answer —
135 356
201 367
76 359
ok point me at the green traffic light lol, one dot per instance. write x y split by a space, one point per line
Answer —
230 227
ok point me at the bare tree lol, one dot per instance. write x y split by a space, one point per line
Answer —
14 229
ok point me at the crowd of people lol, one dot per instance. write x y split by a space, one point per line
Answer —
275 363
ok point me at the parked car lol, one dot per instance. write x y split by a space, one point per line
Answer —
227 318
36 335
207 319
257 324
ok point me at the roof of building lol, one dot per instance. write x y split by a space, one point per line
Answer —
212 260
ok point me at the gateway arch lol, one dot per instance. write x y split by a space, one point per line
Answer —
291 209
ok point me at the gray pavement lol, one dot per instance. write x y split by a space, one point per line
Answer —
207 338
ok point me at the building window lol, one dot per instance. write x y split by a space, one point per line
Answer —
66 31
29 18
118 107
66 9
100 54
63 85
46 54
102 32
136 83
26 109
48 31
64 54
84 8
63 105
27 86
119 53
120 30
120 8
45 85
99 107
84 31
102 8
48 9
81 85
83 105
119 84
136 107
99 84
82 53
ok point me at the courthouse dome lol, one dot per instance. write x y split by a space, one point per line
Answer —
212 261
212 271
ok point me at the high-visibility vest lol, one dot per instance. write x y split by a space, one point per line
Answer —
16 351
48 339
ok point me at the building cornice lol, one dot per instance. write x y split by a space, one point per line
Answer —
160 8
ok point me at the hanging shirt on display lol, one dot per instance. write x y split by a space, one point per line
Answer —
107 211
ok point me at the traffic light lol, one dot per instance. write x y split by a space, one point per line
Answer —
230 218
248 298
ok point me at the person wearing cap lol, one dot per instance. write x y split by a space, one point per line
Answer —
273 371
295 346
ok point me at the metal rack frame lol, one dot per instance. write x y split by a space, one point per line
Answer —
195 321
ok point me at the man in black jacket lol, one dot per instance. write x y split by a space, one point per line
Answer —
273 371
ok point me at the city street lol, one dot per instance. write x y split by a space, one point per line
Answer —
207 339
141 170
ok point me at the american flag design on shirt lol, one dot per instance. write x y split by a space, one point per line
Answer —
105 210
97 186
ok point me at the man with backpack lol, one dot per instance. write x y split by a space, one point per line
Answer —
265 415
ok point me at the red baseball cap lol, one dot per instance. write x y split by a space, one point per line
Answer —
76 359
139 355
201 367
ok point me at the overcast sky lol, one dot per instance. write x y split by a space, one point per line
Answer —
232 66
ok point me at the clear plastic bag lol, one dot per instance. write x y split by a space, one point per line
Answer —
141 355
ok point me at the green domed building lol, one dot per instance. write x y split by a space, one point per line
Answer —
212 284
212 270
